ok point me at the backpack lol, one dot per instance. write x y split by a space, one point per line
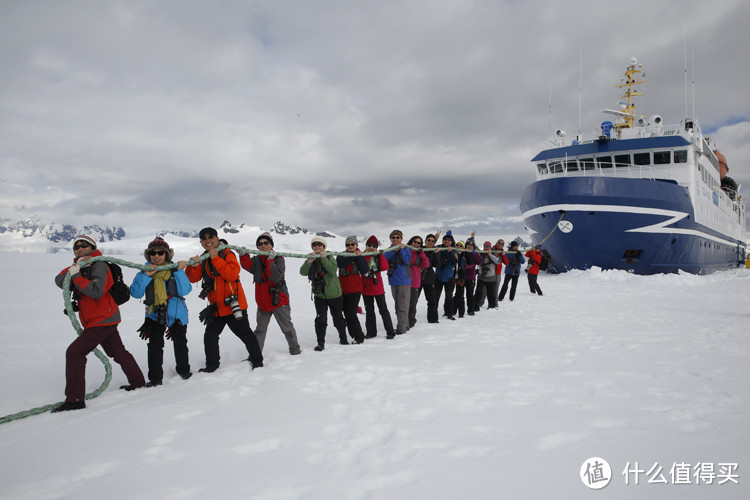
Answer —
119 291
544 264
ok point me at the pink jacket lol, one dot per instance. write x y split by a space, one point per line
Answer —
416 270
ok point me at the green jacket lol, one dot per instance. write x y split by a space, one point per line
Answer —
328 267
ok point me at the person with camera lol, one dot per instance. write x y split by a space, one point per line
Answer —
271 292
419 262
99 316
351 270
373 291
166 312
445 271
486 277
220 285
512 272
399 278
320 268
535 258
466 276
429 279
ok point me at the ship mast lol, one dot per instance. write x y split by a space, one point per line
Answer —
631 79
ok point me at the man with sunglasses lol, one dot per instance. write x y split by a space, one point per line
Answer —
166 311
399 278
99 317
429 279
271 292
220 276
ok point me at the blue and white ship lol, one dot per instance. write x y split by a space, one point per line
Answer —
636 195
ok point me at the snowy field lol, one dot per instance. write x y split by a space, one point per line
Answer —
507 404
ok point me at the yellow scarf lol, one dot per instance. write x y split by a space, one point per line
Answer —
160 288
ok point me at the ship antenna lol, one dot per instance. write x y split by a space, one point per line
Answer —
686 78
693 64
549 124
580 79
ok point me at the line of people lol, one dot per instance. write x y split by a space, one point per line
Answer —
465 276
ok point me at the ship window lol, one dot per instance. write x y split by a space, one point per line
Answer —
680 156
604 161
555 167
642 158
571 165
587 164
542 168
622 160
661 157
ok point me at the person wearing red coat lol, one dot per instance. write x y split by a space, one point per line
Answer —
99 315
373 291
351 270
271 293
220 275
535 258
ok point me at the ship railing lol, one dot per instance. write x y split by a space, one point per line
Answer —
625 133
631 171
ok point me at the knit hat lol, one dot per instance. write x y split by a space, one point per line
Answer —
86 238
351 239
459 242
449 236
159 243
319 239
264 236
372 241
513 244
397 232
487 244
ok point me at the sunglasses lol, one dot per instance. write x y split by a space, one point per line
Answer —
78 246
416 243
351 245
317 244
395 237
157 252
263 243
430 240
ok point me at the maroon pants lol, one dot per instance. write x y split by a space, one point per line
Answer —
75 359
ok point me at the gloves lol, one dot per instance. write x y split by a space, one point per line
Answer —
241 253
74 269
145 329
272 255
323 254
176 329
206 316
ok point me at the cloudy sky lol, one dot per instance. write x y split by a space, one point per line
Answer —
350 116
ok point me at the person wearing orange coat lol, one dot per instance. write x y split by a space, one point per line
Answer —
535 258
220 276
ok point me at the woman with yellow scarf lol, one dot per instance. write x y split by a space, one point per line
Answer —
166 312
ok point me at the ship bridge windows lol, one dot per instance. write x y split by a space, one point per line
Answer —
587 163
571 165
622 160
542 168
604 161
555 167
680 156
642 158
662 157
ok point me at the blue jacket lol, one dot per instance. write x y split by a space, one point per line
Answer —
401 272
176 308
446 267
515 261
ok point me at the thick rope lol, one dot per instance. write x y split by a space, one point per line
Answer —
105 361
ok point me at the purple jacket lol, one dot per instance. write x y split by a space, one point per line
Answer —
472 259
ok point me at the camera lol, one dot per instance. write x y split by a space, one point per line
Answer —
373 276
74 304
318 285
161 315
234 303
207 285
274 296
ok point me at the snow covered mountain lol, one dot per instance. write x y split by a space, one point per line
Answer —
33 231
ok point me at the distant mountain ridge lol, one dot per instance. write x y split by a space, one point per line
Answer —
35 231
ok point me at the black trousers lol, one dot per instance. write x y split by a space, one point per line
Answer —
448 286
513 280
336 306
350 305
241 328
430 295
533 284
371 324
156 351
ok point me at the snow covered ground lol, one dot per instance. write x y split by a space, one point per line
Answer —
507 404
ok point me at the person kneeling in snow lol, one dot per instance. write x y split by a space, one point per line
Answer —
99 317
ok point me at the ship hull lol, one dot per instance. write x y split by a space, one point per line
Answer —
644 226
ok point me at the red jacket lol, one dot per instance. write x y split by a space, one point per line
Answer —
96 307
535 258
368 284
267 274
226 280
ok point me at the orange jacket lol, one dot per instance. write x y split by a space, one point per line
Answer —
226 275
